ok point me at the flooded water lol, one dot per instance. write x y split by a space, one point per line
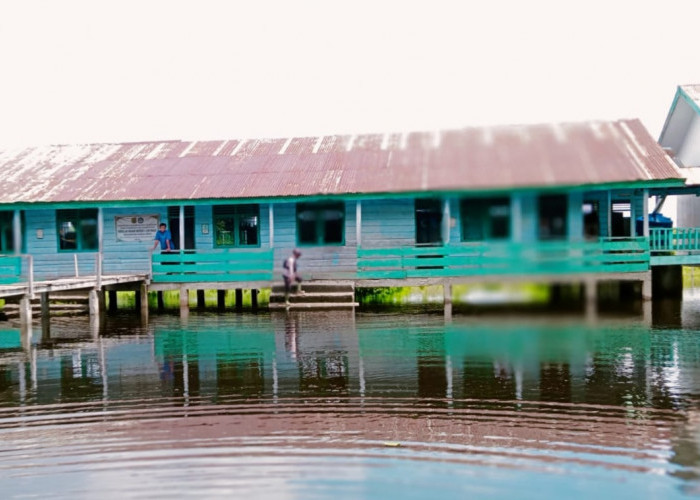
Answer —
380 404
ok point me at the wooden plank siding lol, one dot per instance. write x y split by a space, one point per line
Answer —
122 257
316 262
49 262
388 223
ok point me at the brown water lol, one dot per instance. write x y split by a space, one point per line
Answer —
366 405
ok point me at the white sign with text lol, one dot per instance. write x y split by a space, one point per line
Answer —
136 227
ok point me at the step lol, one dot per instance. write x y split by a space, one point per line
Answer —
341 297
313 305
316 288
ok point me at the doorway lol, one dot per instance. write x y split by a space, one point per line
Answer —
174 225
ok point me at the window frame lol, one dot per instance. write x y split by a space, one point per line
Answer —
235 213
77 217
317 207
484 205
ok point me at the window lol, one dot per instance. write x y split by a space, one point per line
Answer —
620 218
552 216
77 229
236 225
485 218
591 219
428 222
321 223
6 233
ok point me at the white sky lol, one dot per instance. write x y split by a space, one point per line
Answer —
113 71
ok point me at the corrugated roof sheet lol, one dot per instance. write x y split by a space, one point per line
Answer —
466 159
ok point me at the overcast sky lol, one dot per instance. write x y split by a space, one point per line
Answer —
114 71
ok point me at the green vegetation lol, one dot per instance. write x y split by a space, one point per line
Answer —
691 277
461 294
171 299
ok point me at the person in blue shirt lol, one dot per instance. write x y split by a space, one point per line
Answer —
163 237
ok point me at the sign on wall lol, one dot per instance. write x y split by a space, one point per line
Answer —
136 227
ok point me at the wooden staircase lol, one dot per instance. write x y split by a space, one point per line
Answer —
316 295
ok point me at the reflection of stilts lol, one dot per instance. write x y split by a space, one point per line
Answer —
291 333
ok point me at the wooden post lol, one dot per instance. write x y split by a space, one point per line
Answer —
254 299
143 295
445 226
184 301
272 226
182 227
94 304
17 232
45 316
358 222
645 204
591 292
200 299
112 301
100 246
45 305
447 300
646 288
25 310
239 299
161 303
221 299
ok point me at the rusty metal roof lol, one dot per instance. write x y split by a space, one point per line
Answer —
467 159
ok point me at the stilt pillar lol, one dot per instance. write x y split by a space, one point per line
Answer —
143 295
647 288
112 301
200 299
45 316
25 310
254 299
239 299
447 293
447 300
221 299
161 303
591 297
94 304
184 301
45 309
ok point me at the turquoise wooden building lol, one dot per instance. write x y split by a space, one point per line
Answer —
553 202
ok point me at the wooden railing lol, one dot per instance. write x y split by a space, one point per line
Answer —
183 266
494 258
683 239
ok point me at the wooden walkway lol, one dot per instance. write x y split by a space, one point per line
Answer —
73 283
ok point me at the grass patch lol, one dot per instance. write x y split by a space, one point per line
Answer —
461 294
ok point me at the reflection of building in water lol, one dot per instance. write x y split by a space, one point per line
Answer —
326 373
481 379
242 376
